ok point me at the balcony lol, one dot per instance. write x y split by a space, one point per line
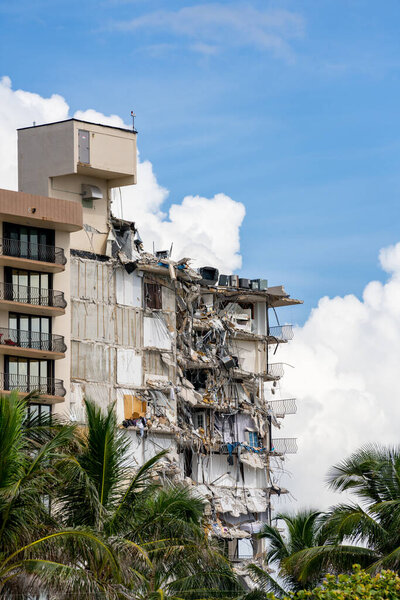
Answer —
280 333
284 446
283 407
16 342
28 255
36 301
274 371
24 384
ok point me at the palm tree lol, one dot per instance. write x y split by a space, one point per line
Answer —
302 530
372 474
33 550
368 532
158 529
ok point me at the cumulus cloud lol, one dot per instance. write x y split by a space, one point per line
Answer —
217 25
206 229
346 379
19 108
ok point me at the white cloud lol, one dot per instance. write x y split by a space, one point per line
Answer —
347 359
96 117
19 108
206 229
216 24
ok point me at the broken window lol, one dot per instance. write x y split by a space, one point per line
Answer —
134 407
152 295
253 439
199 420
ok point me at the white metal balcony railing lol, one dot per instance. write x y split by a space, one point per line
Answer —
30 383
275 370
285 406
284 445
31 295
282 333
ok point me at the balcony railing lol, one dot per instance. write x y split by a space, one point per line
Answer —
283 407
32 339
32 251
282 333
275 370
284 446
27 384
32 295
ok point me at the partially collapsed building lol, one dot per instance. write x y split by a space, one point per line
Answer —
190 357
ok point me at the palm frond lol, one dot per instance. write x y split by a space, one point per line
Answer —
264 581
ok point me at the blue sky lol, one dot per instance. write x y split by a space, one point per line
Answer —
290 107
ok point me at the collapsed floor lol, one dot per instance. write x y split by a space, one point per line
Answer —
188 361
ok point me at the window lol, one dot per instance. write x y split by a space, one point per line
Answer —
253 439
87 202
152 295
29 242
28 286
199 420
29 331
28 375
38 411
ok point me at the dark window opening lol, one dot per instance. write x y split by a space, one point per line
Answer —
188 462
198 378
152 295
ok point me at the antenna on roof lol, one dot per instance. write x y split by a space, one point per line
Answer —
133 121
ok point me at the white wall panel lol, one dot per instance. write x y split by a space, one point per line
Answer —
156 334
129 367
128 288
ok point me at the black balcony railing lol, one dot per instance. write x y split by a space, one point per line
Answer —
275 370
32 339
284 446
286 406
32 251
282 333
32 295
27 384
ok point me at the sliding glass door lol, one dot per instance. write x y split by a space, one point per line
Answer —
30 331
28 375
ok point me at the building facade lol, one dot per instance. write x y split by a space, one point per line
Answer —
187 356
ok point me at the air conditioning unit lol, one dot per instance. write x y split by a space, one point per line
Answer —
224 280
244 283
209 275
259 284
91 192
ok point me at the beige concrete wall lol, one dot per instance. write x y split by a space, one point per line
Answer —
93 236
112 150
44 152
